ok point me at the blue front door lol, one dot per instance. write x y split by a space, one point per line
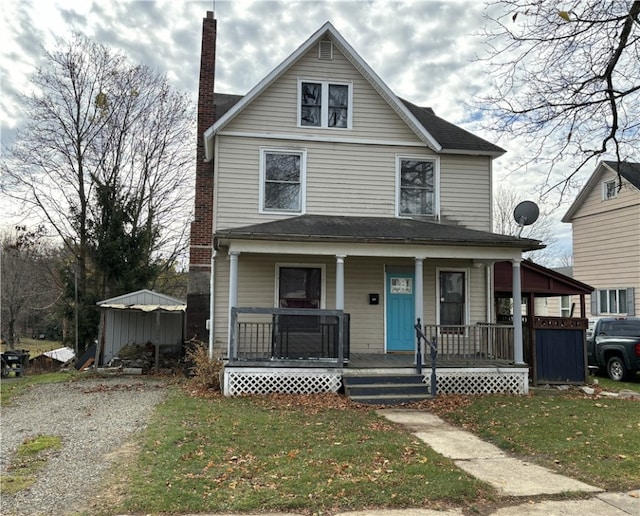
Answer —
400 312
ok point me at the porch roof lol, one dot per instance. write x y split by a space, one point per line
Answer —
326 228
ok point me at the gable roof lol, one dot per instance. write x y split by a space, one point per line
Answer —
436 133
538 280
627 170
324 228
145 300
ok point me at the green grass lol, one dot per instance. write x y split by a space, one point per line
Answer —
35 346
596 440
30 458
13 387
605 383
283 454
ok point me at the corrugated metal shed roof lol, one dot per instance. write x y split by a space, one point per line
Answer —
63 355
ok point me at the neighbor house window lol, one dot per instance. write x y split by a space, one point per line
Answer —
453 298
609 190
324 104
417 179
565 306
612 301
282 180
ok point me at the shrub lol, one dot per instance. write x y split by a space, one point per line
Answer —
205 372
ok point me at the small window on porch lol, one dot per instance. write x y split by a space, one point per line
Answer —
452 298
300 287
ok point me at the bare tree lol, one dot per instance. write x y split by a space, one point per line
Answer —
567 81
27 282
98 123
504 203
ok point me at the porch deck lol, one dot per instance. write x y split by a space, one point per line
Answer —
407 361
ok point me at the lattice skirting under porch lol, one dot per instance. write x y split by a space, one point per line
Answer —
248 380
490 380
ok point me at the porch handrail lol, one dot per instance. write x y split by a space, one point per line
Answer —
338 314
433 345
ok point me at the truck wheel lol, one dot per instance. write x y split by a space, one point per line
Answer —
616 369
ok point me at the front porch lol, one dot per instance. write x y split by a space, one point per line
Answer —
307 352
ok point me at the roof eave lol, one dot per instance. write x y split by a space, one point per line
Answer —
466 152
225 239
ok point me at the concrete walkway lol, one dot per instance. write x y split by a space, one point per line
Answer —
510 476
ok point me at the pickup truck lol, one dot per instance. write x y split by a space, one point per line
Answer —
614 345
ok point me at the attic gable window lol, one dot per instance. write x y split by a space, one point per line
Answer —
282 180
417 182
324 104
609 190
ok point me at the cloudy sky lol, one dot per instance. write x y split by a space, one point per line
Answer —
423 49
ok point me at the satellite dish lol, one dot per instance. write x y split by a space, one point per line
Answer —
526 213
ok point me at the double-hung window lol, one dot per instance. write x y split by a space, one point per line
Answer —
612 301
324 104
282 180
417 187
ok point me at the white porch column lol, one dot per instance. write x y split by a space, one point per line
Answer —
340 281
418 294
518 356
233 291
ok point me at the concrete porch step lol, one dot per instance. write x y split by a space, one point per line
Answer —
385 389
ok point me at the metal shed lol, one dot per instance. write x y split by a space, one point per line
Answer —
142 317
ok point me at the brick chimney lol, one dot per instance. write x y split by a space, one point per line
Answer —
201 239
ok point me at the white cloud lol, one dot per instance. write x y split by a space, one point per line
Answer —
423 50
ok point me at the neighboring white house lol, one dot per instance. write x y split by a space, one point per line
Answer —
605 220
330 192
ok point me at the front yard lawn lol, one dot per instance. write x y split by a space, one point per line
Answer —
281 453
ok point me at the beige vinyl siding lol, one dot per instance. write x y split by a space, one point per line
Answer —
606 240
346 179
275 110
465 191
363 276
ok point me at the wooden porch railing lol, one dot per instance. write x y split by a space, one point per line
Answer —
281 336
484 341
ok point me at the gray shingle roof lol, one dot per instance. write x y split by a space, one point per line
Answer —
630 171
449 135
373 230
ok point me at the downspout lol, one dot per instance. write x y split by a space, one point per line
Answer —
488 269
212 298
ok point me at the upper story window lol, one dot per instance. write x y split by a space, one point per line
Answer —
417 186
282 180
324 104
609 190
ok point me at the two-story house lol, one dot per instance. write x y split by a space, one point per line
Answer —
338 214
605 220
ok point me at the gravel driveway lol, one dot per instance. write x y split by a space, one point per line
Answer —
94 417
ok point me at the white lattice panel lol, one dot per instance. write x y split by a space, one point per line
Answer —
481 380
286 381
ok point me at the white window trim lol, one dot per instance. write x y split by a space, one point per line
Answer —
324 107
605 188
622 310
323 282
563 308
436 184
467 291
303 179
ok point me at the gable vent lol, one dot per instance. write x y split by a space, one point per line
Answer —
325 50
